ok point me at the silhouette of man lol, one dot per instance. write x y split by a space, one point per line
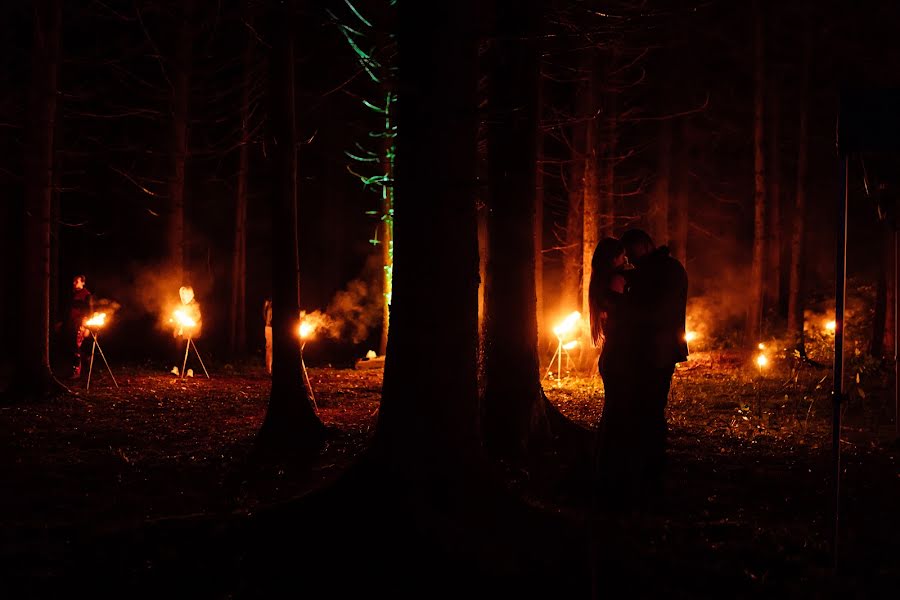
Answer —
657 298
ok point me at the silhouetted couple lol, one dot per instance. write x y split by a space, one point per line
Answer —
638 299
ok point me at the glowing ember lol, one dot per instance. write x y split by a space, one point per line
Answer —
182 319
690 336
568 325
97 320
762 361
830 326
570 345
761 346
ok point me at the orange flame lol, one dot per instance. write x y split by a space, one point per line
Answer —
97 320
305 330
568 325
182 319
830 326
570 345
762 360
690 336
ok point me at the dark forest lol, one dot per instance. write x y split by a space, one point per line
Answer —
506 298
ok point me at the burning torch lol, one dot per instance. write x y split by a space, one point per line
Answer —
94 325
186 324
565 329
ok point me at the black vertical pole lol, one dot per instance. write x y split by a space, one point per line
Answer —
837 394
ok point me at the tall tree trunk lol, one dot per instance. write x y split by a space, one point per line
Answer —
658 220
681 204
795 291
290 418
34 373
387 219
573 253
591 202
427 429
513 404
181 89
610 149
539 217
754 312
773 261
237 332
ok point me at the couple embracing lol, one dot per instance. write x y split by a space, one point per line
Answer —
638 299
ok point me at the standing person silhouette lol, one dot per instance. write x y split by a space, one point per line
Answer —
616 434
79 308
657 303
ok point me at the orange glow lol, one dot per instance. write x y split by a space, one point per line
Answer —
568 325
761 346
182 319
762 360
570 345
97 320
305 330
830 326
690 336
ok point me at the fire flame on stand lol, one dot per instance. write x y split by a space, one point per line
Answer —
311 323
186 316
183 320
762 361
570 345
97 320
567 326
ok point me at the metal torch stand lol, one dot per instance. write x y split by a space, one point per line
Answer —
96 346
187 348
558 356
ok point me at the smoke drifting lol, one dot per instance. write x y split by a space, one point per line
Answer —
158 292
353 311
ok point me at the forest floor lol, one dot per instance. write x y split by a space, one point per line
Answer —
116 483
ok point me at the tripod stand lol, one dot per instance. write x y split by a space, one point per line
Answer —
187 347
561 349
96 346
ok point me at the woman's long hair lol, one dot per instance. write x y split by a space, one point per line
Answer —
602 271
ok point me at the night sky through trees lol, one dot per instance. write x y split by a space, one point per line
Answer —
133 131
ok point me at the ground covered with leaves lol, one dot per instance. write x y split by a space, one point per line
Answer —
746 508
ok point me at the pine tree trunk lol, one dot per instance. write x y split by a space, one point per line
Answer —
610 147
387 220
773 261
514 413
681 204
539 217
795 285
591 202
34 373
290 418
237 333
754 313
573 254
427 427
181 82
659 208
590 234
